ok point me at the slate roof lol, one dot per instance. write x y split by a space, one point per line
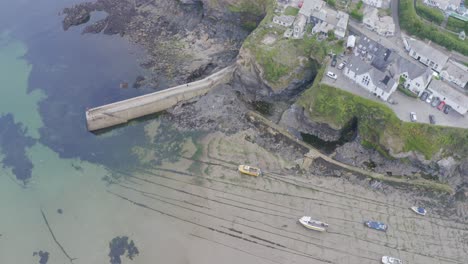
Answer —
457 71
449 92
427 51
380 79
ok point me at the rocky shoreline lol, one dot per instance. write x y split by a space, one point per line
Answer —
184 40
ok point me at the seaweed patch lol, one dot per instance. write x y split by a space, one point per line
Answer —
118 246
13 144
43 256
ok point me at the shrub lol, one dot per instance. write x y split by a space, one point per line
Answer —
430 14
410 21
356 14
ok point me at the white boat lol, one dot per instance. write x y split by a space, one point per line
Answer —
391 260
418 210
310 223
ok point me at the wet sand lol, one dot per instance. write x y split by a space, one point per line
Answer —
201 210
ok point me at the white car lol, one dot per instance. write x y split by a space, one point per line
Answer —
413 117
332 75
341 65
429 98
391 260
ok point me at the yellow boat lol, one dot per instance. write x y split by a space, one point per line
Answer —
249 170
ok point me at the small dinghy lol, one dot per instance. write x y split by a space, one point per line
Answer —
418 210
310 223
391 260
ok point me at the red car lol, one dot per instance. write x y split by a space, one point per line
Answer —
441 105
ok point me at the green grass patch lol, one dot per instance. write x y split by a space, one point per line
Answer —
406 91
432 15
356 14
291 11
414 25
378 126
456 25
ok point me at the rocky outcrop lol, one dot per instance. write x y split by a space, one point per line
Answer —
295 119
183 39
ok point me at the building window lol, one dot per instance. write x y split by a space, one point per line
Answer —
417 84
414 53
431 63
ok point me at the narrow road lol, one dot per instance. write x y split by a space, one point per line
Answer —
395 5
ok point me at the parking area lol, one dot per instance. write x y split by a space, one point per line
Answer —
404 104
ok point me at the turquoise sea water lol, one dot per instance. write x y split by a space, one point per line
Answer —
49 161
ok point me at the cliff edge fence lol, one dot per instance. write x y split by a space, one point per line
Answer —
123 111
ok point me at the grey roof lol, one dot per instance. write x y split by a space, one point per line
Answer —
427 51
380 56
380 79
457 71
413 70
309 5
358 66
449 92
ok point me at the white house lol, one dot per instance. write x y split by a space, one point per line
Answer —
383 26
456 73
374 3
285 21
451 96
416 77
427 55
299 26
373 80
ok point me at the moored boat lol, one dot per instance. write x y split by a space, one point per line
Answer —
391 260
310 223
249 170
418 210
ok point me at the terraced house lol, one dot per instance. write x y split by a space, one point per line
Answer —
427 55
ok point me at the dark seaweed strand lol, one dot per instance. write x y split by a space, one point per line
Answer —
55 239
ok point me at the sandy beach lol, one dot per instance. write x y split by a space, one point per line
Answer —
201 210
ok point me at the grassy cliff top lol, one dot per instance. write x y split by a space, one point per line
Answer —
378 126
283 60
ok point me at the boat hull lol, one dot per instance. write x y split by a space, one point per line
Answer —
316 227
249 170
415 209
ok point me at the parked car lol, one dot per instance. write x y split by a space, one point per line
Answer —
447 109
332 75
391 260
429 98
441 105
432 119
413 117
424 96
333 63
435 102
376 225
341 65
